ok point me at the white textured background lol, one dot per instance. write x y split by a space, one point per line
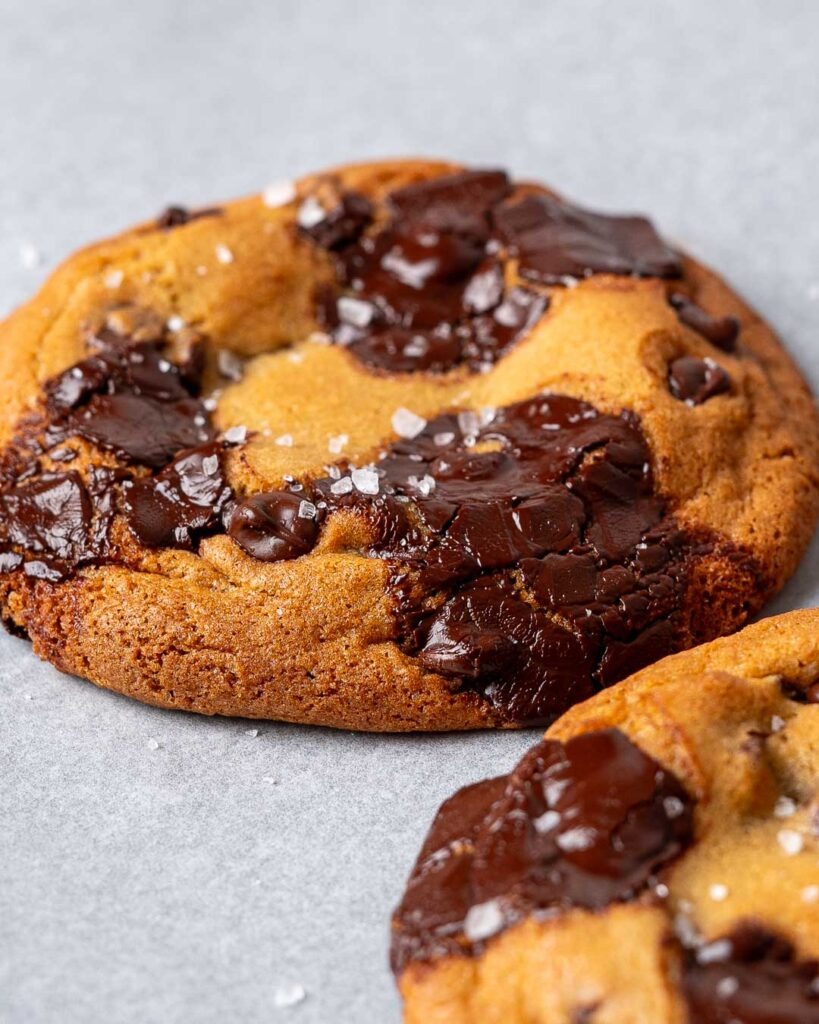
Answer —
182 885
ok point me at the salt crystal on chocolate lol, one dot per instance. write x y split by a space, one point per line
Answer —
407 424
483 920
365 480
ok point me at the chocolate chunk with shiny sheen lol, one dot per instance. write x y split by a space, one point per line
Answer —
426 292
554 240
177 216
455 202
694 380
274 525
721 331
759 981
181 502
130 400
532 561
55 522
583 824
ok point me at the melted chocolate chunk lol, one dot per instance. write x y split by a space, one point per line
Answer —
694 380
428 290
531 560
721 331
553 240
177 216
454 203
758 980
274 526
182 502
584 824
55 523
128 399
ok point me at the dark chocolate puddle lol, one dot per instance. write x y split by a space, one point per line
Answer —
582 824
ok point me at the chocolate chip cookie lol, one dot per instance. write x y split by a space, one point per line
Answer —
654 859
397 446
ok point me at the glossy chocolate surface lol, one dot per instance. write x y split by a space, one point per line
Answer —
129 400
531 560
757 980
582 824
428 290
553 240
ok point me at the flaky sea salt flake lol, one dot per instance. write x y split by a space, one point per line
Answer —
483 920
278 193
223 253
342 486
311 213
790 840
784 807
407 424
337 443
365 480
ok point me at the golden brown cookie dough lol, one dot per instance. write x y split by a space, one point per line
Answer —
615 457
673 877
